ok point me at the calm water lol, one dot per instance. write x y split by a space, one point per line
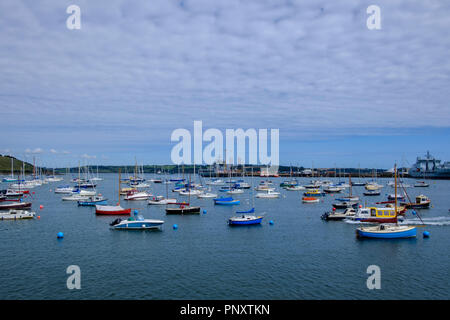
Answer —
298 257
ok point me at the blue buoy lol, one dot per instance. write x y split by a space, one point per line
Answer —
135 212
204 211
426 234
60 235
414 212
271 222
175 227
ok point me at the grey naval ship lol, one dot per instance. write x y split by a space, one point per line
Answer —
430 167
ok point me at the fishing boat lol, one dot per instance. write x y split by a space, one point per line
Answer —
138 223
314 193
92 201
336 215
245 218
6 205
14 214
268 195
226 201
310 200
112 210
422 202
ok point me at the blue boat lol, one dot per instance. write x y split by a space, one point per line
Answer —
242 218
386 232
93 201
226 201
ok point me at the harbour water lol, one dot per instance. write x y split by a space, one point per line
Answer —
300 256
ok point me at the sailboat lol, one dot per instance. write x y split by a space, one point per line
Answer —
245 217
158 200
11 179
388 231
184 207
112 210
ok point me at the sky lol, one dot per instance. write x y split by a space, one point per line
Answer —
114 90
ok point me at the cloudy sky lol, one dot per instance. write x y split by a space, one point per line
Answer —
136 70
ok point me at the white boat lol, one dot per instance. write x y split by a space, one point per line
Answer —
140 185
207 195
295 188
333 189
75 197
136 224
269 194
371 186
64 189
264 187
83 192
159 200
420 184
137 196
190 192
14 214
217 182
235 191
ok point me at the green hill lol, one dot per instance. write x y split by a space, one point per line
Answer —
5 165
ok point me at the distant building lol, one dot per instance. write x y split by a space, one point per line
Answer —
269 171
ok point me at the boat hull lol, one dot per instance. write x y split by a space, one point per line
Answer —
187 210
233 222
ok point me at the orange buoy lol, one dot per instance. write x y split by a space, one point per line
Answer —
41 207
38 217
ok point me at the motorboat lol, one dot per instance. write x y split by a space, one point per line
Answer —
376 215
235 191
373 186
82 192
190 192
207 195
6 205
399 197
76 197
372 193
138 223
314 193
64 189
421 184
333 189
338 215
14 214
422 202
294 188
345 204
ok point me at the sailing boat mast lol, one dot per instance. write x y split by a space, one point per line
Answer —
119 186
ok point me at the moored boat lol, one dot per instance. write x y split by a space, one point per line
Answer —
138 223
14 214
384 231
245 218
310 200
422 202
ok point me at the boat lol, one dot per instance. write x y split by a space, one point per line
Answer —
112 210
6 205
92 201
14 214
294 188
314 193
226 201
421 184
431 167
422 202
64 189
207 195
376 215
82 192
75 197
184 208
372 193
333 189
289 183
398 196
235 191
138 223
373 186
245 218
336 215
268 195
384 231
160 200
190 192
345 204
137 196
310 200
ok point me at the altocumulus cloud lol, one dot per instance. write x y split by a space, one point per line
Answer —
139 69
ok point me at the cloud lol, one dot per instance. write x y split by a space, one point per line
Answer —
53 151
310 68
34 151
86 156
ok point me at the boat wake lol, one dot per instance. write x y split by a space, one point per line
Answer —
436 221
